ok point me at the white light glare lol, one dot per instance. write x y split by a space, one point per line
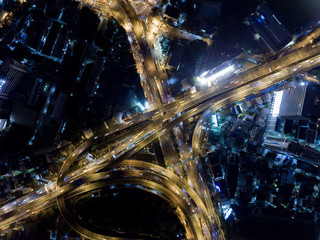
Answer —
228 213
215 120
146 105
3 124
2 82
141 106
203 74
277 103
206 80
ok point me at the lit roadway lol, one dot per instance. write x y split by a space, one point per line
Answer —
228 92
254 81
161 182
160 27
309 38
142 40
125 14
195 216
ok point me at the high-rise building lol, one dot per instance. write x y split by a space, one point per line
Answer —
298 112
268 29
11 73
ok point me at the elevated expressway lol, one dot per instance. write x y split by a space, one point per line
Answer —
217 96
148 66
147 60
136 31
157 180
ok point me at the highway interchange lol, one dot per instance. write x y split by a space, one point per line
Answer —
197 213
